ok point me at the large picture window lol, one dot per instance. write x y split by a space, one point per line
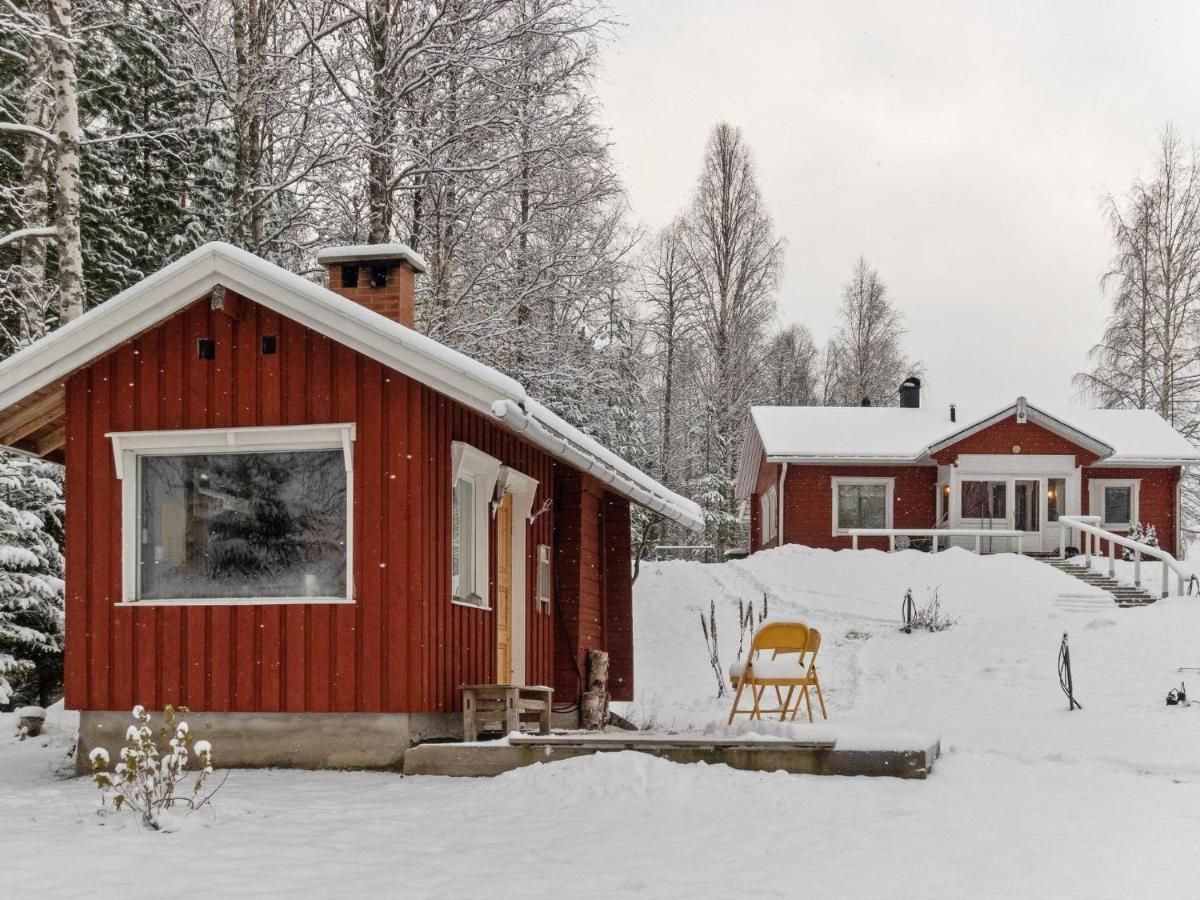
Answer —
242 525
862 503
237 515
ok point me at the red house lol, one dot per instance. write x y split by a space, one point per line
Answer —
310 524
811 474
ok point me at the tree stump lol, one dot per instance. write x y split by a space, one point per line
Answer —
593 705
30 720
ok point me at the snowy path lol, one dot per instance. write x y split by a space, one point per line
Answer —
1028 800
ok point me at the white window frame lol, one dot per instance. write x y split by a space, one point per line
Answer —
128 446
889 498
484 470
1096 488
769 513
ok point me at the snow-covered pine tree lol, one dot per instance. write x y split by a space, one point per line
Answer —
31 580
155 174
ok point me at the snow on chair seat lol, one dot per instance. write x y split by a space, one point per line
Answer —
782 655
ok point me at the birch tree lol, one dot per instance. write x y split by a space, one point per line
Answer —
865 357
1149 354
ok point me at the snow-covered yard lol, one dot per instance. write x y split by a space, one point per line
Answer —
1027 799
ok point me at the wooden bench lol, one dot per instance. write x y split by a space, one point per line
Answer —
505 708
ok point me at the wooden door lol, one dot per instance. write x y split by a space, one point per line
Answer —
504 617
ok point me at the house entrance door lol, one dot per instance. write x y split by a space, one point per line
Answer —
1027 511
504 572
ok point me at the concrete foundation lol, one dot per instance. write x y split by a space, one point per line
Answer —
288 740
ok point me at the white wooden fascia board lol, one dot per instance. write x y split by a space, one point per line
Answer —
58 355
796 460
752 454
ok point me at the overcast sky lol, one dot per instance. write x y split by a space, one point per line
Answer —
963 149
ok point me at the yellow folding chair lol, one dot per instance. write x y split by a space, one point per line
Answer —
776 659
809 662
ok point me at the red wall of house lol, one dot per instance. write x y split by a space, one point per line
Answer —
403 646
768 475
1156 499
808 517
1004 435
593 586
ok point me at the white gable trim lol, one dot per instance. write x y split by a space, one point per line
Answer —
1034 415
447 371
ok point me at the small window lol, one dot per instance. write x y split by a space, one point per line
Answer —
474 476
1118 505
1056 498
543 574
769 513
984 499
270 343
462 542
862 505
206 348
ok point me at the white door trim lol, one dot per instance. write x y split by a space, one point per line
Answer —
523 488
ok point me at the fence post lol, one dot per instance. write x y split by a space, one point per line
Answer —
891 543
1137 568
1019 545
1179 583
1166 575
1087 547
1063 534
854 541
1112 560
976 545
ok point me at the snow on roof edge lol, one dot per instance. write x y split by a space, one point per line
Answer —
73 344
352 252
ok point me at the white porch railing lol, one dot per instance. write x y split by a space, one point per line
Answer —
1090 531
892 533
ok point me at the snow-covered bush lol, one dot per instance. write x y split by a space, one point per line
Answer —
31 583
149 782
931 616
1146 534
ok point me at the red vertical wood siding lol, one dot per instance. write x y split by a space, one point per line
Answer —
1156 500
402 646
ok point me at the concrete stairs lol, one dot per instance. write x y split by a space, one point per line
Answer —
1123 594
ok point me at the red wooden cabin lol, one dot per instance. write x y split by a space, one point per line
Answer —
292 513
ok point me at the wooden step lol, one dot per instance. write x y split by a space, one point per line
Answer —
1124 595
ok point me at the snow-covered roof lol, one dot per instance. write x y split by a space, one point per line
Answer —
864 435
48 361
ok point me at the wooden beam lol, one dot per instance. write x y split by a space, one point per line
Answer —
52 441
34 416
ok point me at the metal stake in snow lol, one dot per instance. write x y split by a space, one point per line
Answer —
908 610
1064 674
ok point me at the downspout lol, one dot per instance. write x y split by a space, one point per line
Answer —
782 480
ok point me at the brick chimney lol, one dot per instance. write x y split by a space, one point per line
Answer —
379 276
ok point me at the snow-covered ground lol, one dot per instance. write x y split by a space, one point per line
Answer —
1027 800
